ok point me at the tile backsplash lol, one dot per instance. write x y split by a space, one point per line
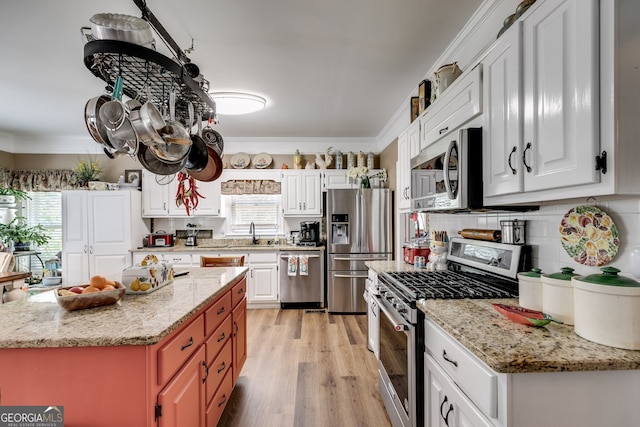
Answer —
543 231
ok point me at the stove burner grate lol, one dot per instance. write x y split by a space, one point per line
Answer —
452 285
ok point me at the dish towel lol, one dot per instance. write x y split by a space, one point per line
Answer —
292 265
303 260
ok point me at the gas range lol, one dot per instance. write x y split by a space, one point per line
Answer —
477 269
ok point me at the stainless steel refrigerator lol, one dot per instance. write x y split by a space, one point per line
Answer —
359 229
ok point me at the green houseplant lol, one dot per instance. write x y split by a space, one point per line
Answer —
22 235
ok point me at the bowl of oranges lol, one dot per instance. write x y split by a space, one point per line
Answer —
98 292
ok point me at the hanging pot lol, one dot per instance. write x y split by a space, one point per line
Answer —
113 113
211 171
94 125
146 120
157 166
198 155
213 138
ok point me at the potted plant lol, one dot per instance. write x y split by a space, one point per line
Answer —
10 196
86 171
22 235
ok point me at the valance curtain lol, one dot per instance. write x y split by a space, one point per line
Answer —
250 186
39 180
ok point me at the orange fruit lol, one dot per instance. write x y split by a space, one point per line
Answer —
108 288
90 289
98 282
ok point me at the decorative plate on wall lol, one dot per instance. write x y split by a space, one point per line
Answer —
240 160
262 160
589 235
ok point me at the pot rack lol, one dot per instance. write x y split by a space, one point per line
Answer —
147 74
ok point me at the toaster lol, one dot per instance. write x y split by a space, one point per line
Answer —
158 239
410 251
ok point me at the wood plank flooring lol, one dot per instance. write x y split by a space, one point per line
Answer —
306 368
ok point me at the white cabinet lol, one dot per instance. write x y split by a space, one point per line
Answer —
336 178
373 314
178 259
461 102
262 278
408 147
541 85
98 230
159 200
301 193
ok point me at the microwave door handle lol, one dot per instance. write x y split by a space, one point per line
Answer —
445 169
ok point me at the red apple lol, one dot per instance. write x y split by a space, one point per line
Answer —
77 289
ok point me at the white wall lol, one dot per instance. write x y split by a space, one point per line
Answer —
543 231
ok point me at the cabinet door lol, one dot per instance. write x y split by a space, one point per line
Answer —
445 404
311 194
560 68
155 202
413 134
109 218
239 316
291 203
209 205
263 283
332 179
374 325
502 130
75 244
404 172
183 399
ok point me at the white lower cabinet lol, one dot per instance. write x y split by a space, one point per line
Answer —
178 259
373 315
461 390
262 279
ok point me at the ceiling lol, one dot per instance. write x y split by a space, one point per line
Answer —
328 69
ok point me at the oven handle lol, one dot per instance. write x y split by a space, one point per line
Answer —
398 326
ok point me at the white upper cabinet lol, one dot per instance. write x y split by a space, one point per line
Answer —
159 198
301 193
541 102
408 147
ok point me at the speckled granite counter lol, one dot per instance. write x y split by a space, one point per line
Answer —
39 321
228 245
509 347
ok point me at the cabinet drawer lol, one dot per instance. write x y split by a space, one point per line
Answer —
477 381
238 292
183 260
218 339
215 315
175 352
220 399
457 105
266 257
218 369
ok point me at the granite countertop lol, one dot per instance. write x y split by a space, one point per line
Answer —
38 321
509 347
229 245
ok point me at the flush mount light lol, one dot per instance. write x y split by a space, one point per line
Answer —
237 102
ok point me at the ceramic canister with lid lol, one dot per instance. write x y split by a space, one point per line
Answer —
530 289
557 295
607 309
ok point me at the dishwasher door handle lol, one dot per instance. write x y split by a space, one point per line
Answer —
308 256
351 276
360 259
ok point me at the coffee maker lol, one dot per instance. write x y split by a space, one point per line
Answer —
309 233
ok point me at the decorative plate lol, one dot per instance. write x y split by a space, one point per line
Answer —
240 160
262 160
589 235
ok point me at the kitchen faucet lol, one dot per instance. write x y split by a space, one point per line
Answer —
252 231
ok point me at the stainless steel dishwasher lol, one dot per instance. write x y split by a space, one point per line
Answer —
303 284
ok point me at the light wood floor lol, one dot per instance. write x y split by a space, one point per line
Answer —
306 369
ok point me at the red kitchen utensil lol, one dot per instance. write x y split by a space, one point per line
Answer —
524 316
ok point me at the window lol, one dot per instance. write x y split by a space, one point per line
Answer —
45 208
261 209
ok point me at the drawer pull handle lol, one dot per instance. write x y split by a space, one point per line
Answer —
448 359
189 344
443 130
237 329
222 310
510 166
222 367
240 291
445 417
206 371
224 400
222 337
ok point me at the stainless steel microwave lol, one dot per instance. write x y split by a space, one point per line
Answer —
447 175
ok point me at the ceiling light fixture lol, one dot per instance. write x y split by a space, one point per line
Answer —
237 102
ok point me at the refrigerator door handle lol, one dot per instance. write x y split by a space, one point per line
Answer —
351 276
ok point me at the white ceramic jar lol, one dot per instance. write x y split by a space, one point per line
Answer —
557 295
607 309
530 289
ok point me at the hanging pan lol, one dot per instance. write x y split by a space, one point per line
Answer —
155 165
211 171
213 138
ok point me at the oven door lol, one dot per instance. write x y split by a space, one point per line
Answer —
397 366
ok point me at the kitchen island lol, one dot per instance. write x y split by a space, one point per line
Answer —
495 372
149 358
